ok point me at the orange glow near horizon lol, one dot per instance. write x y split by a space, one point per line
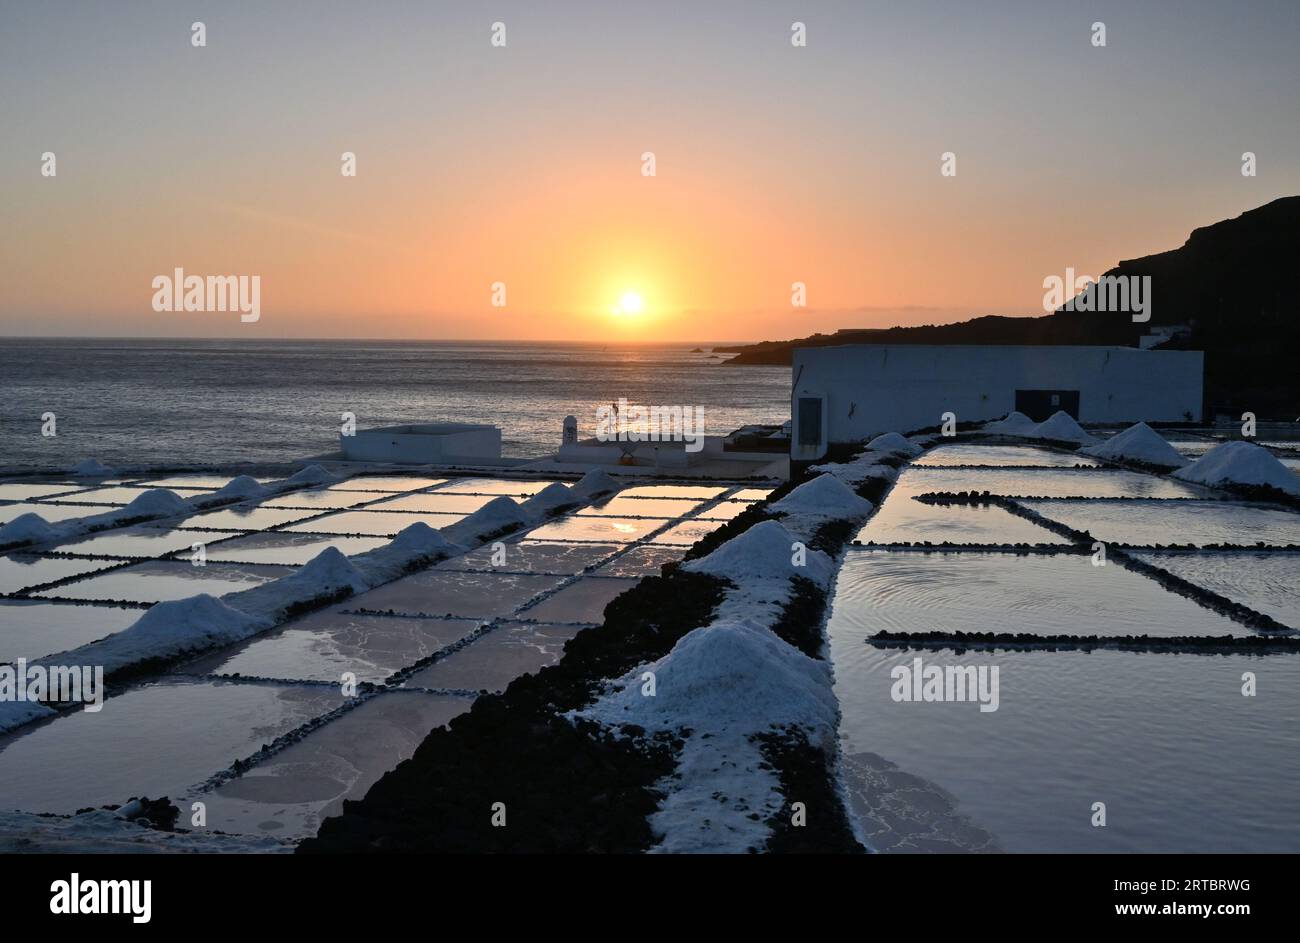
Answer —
525 167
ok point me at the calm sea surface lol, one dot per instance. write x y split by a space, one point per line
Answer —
154 401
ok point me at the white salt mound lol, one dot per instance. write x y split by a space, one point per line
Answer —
90 468
1240 463
595 482
729 675
1138 443
824 496
553 496
1013 423
169 629
311 475
894 442
417 540
243 486
497 514
29 528
156 502
1060 427
328 571
763 552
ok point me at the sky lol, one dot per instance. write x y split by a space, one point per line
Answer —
523 164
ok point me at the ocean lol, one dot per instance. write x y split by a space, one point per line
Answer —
126 401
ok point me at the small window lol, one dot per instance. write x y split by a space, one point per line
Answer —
810 420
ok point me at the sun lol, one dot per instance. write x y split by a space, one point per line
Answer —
630 303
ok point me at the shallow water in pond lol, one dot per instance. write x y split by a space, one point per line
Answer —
532 556
597 529
34 629
50 512
433 503
582 601
371 523
460 594
320 499
291 549
490 663
901 519
1200 523
22 491
495 486
19 572
144 541
288 795
1000 455
1047 483
681 492
246 518
1037 594
1183 762
324 645
155 740
123 495
390 483
640 507
1266 582
165 580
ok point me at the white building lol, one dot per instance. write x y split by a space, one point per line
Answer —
424 443
854 392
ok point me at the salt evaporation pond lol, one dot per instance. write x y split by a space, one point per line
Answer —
1266 582
1183 762
324 645
463 594
322 500
640 507
492 662
32 629
165 580
902 519
1047 483
20 572
1199 523
532 556
290 794
1000 456
597 529
433 502
51 512
1037 594
287 549
247 517
154 740
372 523
145 541
21 491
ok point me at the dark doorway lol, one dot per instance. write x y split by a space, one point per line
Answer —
810 421
1041 404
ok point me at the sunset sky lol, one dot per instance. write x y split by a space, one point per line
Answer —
522 164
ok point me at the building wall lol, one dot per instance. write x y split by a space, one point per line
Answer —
870 388
422 444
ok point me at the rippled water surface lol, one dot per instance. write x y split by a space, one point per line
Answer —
1182 761
1038 594
1146 523
155 401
